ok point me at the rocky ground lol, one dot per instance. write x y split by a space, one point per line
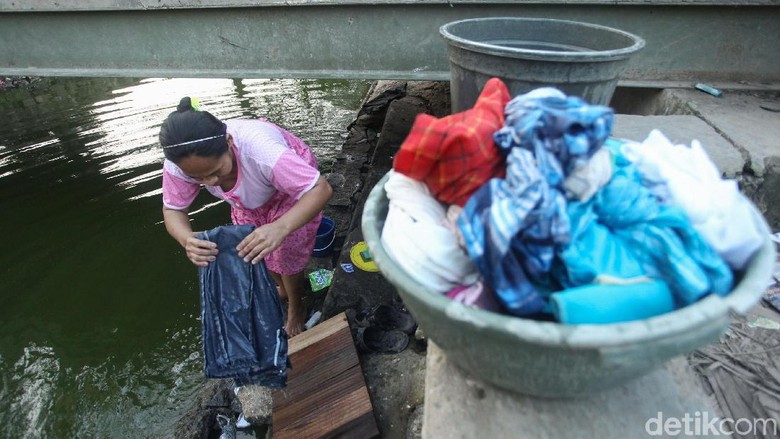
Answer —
8 82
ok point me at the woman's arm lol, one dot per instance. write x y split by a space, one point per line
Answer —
199 251
268 237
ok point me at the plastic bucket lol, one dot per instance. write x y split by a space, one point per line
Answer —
552 359
326 234
580 59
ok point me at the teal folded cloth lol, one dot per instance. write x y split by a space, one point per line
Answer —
611 303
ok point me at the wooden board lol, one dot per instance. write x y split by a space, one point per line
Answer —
326 394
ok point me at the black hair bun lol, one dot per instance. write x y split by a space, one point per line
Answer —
184 104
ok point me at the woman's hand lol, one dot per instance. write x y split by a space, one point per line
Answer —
262 241
200 251
267 238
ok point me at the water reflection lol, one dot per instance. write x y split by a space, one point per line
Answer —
99 334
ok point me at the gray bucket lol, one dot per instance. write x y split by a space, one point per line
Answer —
552 359
580 59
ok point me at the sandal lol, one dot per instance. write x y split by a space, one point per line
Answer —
357 319
227 426
372 339
390 317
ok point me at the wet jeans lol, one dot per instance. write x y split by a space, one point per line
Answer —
242 316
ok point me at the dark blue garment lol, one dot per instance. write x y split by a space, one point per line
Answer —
242 315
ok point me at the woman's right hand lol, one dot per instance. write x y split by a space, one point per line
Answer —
200 251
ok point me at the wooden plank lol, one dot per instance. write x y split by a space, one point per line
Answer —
326 394
337 402
330 372
318 353
317 333
308 379
351 417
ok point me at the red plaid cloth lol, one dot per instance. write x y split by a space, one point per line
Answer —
455 155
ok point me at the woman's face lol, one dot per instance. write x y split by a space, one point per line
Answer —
211 171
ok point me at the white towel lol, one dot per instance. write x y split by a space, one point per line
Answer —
686 177
415 235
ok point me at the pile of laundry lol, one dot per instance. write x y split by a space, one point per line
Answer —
527 206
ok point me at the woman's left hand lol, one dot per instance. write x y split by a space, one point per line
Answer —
267 238
262 241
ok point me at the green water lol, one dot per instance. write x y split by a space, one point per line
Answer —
99 315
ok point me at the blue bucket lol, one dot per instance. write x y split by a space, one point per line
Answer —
326 234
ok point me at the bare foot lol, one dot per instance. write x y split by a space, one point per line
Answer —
296 318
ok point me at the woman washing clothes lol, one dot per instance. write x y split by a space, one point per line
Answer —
267 175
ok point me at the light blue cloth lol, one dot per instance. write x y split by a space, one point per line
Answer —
662 238
593 251
626 232
611 303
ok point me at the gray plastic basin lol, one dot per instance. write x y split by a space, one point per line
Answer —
580 59
555 360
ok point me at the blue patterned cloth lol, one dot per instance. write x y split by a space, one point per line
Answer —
561 131
509 226
512 226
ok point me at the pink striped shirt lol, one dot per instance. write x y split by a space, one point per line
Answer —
266 165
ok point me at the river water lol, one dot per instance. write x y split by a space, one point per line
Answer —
99 323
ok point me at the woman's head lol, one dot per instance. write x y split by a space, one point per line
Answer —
187 132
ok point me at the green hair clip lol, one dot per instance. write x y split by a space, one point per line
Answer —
195 103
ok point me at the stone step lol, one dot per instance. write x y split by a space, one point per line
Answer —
682 129
668 400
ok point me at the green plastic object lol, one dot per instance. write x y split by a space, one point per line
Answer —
555 360
320 279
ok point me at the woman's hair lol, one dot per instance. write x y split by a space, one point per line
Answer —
188 131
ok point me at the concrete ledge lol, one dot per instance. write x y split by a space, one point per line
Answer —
740 117
357 39
683 129
458 405
140 5
740 130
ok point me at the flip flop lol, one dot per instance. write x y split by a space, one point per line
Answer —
357 319
227 426
372 339
389 317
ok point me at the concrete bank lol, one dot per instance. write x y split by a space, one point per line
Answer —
740 131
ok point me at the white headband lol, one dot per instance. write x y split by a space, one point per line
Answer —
192 141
